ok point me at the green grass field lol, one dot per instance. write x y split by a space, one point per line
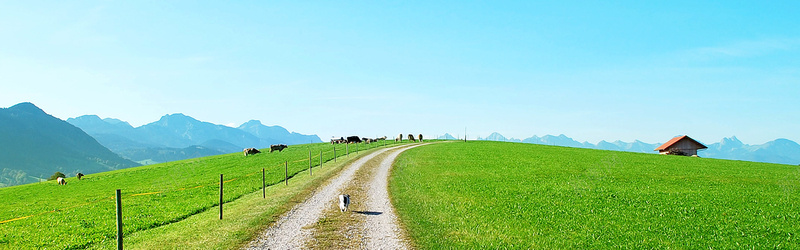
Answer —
511 195
82 213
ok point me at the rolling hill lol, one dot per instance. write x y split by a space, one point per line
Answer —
781 151
161 195
484 194
34 145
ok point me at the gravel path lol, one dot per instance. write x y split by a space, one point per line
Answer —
294 229
381 230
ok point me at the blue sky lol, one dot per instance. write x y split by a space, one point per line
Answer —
592 70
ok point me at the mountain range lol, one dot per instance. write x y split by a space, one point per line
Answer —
34 145
178 136
781 151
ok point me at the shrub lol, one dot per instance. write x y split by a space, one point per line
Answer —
56 175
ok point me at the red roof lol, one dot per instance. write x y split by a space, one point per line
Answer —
665 146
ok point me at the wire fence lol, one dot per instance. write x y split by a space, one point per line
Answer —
164 204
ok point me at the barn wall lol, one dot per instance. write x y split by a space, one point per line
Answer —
685 146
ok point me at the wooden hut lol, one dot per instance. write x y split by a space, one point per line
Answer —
681 145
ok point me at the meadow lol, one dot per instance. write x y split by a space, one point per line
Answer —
510 195
81 214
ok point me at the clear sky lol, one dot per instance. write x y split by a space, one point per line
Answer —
592 70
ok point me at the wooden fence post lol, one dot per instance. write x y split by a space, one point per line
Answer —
334 153
119 219
286 172
264 183
220 196
320 158
347 148
309 163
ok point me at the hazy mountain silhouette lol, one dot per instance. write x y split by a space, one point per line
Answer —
35 144
178 136
782 151
276 134
447 136
778 151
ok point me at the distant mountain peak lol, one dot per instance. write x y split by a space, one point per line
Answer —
251 123
115 121
176 117
86 118
447 136
26 107
731 142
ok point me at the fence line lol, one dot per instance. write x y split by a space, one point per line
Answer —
333 158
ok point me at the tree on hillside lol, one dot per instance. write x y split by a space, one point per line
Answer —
56 175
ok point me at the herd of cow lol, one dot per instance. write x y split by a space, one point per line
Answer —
281 147
356 139
273 147
62 181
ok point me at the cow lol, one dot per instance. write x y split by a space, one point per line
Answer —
399 138
277 147
338 141
420 137
79 175
61 181
382 138
344 202
250 151
411 138
353 139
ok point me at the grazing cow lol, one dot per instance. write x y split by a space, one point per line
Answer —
337 141
79 175
344 202
420 137
61 181
382 138
278 147
251 151
353 139
399 138
411 138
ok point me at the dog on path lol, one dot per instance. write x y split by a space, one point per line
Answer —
344 202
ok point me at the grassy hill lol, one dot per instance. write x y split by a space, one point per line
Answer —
82 213
34 145
511 195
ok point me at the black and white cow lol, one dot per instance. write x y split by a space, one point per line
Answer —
250 151
353 139
277 147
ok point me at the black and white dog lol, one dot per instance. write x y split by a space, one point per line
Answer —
344 202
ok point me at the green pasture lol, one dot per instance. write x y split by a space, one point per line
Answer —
82 213
509 195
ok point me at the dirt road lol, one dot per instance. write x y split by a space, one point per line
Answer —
375 222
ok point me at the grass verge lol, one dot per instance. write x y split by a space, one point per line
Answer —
511 195
242 220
